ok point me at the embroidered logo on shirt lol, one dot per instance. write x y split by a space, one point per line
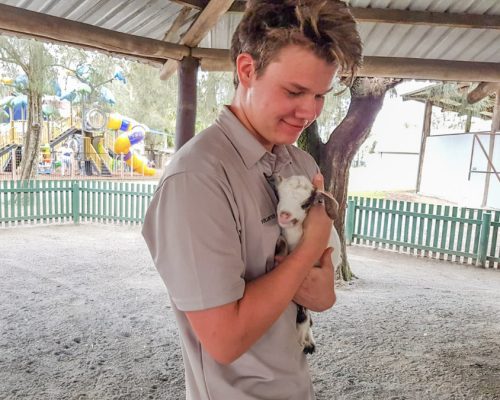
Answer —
268 218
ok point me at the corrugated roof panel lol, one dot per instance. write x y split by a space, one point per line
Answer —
141 17
448 39
79 9
479 7
127 16
220 36
395 38
455 6
153 18
473 43
377 37
157 25
407 36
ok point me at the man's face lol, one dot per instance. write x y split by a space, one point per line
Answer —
287 97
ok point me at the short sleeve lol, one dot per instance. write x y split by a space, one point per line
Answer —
191 229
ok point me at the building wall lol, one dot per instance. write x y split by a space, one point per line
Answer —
446 169
385 171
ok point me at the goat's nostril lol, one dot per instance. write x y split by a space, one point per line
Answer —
285 215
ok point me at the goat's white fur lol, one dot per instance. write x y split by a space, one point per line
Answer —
293 193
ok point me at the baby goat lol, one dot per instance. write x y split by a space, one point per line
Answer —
296 195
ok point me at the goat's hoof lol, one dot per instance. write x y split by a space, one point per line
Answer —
309 349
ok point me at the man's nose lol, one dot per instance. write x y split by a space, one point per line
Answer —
307 109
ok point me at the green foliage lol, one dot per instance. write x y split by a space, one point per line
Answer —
30 58
146 98
335 108
215 89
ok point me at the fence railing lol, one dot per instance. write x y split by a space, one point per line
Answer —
96 166
47 202
464 235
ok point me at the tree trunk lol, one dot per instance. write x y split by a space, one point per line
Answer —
32 137
334 157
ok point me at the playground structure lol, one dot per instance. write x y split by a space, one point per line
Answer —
99 149
98 144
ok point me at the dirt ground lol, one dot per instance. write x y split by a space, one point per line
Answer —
84 315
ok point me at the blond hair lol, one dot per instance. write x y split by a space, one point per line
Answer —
324 26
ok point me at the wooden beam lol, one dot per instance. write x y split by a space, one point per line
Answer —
237 6
432 69
481 91
408 17
22 22
394 16
393 67
18 21
205 21
177 24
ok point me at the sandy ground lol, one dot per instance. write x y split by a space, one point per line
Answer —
84 315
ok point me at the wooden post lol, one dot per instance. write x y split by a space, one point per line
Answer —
468 122
14 163
12 130
426 130
350 221
75 202
484 236
495 126
186 106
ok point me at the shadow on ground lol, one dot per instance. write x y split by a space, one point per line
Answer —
84 315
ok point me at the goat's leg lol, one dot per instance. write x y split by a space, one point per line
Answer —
304 323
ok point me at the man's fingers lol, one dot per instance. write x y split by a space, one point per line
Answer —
278 260
326 256
318 181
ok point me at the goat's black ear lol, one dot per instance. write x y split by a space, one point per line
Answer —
331 205
306 205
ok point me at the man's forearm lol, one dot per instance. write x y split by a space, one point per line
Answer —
229 331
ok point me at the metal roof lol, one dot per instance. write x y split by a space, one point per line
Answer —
146 18
153 19
412 41
453 97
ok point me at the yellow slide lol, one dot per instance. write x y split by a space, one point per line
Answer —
122 146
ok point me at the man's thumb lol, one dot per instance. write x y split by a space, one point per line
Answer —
327 253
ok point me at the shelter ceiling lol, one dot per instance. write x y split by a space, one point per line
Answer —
401 38
453 97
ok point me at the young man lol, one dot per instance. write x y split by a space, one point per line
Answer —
211 227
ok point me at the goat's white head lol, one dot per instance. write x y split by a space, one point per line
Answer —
296 195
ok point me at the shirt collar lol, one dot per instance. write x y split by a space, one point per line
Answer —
248 147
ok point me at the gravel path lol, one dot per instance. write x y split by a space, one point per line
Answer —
84 315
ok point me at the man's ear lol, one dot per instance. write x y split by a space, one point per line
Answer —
245 68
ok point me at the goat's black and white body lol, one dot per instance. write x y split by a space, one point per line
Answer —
296 195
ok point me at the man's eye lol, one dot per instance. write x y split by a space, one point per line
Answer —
293 94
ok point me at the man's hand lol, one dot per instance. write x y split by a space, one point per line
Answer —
317 291
317 226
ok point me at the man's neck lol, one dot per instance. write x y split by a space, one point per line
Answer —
239 112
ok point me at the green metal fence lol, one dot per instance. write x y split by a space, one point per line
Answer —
42 202
464 235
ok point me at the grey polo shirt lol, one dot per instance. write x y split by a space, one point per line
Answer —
211 227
